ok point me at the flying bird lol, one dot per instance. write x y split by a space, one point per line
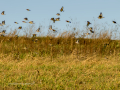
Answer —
24 21
51 28
101 16
31 22
16 22
91 30
68 21
114 22
28 9
38 30
53 20
61 9
57 19
58 14
3 32
20 27
87 33
88 23
3 13
3 22
25 18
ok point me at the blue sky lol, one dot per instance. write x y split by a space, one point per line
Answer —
77 11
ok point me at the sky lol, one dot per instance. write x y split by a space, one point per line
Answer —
76 11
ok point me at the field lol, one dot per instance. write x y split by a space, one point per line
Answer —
59 63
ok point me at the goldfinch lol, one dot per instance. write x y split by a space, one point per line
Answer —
20 27
24 21
38 30
25 18
28 9
3 22
16 22
91 31
58 14
51 28
3 13
88 23
3 32
61 9
114 22
87 33
100 16
68 21
90 28
57 19
53 20
31 22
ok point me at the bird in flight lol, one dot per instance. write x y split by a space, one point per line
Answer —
31 22
57 19
101 16
24 21
114 22
38 30
20 27
68 21
3 22
25 18
62 9
53 20
88 23
58 14
51 28
28 9
3 13
16 22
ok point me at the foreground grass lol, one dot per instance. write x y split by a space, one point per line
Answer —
35 73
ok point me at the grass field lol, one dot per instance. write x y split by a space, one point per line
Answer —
58 63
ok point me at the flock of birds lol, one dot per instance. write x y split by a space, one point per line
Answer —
50 27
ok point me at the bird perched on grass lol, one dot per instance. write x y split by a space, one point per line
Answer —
57 19
20 27
61 9
68 21
24 21
77 41
88 23
3 22
31 22
38 30
53 20
101 16
3 13
16 22
114 22
58 14
34 35
25 18
28 9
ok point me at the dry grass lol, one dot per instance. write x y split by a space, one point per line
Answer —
59 63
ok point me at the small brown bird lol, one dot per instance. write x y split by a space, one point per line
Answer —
20 27
24 21
34 35
68 21
53 20
3 22
51 28
3 13
101 16
77 41
61 9
16 22
91 31
58 14
28 9
87 34
3 32
114 22
57 19
25 18
38 30
90 28
88 23
31 22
